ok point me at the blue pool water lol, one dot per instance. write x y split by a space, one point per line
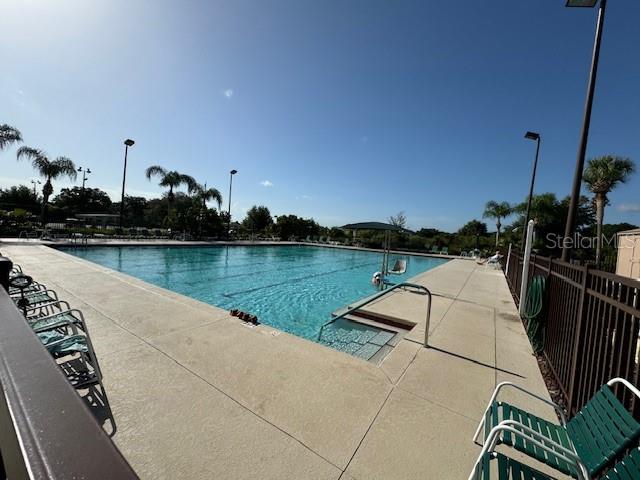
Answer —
292 288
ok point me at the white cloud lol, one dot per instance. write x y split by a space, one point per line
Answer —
304 197
266 183
228 93
629 207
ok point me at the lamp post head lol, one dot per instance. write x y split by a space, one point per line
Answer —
88 170
233 172
128 142
79 169
581 3
532 136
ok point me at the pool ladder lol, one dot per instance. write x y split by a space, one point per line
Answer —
381 294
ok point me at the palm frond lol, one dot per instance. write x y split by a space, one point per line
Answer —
212 194
9 135
602 174
64 166
155 170
189 181
39 159
29 153
497 210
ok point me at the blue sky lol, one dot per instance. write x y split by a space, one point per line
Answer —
339 110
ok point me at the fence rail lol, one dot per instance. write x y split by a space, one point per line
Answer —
46 431
592 326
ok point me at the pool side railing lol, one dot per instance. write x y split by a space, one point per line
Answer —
46 429
403 285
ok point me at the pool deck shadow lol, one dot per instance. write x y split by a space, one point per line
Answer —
196 393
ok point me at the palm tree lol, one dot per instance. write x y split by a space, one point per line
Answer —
9 135
601 176
207 195
171 179
49 170
498 211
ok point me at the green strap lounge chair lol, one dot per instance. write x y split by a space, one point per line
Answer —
34 287
33 299
60 320
59 344
600 431
84 370
504 467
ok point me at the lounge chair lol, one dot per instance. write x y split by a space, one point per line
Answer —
75 355
32 299
434 249
57 321
34 287
601 430
444 251
509 469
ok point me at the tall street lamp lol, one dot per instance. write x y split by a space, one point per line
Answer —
35 182
536 137
85 172
231 174
584 135
127 143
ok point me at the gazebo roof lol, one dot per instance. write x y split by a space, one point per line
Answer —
374 226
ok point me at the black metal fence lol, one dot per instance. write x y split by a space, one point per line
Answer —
592 326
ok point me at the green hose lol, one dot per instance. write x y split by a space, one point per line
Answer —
535 312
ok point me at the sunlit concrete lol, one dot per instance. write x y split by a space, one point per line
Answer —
197 394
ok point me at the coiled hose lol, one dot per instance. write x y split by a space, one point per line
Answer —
535 312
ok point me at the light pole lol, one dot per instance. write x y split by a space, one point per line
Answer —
127 143
536 137
35 182
584 135
231 174
85 172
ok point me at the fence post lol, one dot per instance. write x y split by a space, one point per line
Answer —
506 273
525 268
577 342
5 269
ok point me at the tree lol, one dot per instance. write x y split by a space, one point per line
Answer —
9 135
208 195
399 220
49 170
549 215
428 232
601 176
474 228
19 196
77 200
288 226
171 179
498 211
258 218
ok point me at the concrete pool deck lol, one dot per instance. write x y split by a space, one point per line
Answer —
197 394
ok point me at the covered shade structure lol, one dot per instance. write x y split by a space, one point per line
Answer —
375 226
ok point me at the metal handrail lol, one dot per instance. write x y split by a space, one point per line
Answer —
382 294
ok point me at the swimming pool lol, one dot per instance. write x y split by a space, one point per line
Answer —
292 288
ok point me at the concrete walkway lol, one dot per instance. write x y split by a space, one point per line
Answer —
196 394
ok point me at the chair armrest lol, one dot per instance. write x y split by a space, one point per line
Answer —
626 383
555 406
549 446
